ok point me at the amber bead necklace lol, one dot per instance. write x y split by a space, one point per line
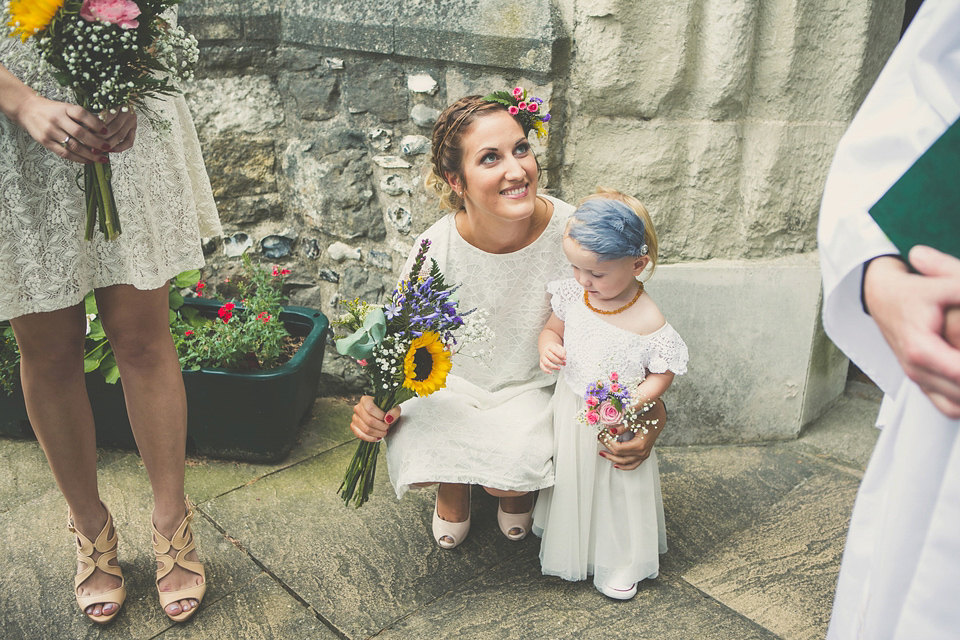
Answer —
586 301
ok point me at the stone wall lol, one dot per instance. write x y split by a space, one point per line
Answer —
721 115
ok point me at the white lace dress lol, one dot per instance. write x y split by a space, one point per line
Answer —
596 519
163 197
491 425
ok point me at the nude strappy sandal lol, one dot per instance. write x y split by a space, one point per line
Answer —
106 545
174 552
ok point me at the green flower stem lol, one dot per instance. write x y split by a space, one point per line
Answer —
357 485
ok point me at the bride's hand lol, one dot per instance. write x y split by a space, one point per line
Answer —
631 454
371 423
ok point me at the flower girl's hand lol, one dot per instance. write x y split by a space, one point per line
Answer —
369 422
552 358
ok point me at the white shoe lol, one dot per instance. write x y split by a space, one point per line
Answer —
514 525
449 534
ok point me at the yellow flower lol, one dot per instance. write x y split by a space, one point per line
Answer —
539 128
28 17
426 365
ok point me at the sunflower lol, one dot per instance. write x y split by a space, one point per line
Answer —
426 364
28 17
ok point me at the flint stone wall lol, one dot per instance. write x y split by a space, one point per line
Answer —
721 115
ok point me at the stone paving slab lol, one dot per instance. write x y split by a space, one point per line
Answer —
327 427
782 571
755 535
514 601
39 551
710 493
261 610
361 569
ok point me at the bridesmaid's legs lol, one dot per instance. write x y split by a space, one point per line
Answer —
137 325
51 370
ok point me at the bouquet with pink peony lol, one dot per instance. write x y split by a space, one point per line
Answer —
610 405
112 54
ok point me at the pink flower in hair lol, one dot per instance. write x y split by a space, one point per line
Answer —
521 105
513 110
517 92
533 107
122 13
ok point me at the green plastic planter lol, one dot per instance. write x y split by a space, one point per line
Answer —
251 416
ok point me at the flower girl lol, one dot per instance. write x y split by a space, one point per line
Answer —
617 355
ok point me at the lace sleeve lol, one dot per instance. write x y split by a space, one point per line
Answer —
562 294
668 353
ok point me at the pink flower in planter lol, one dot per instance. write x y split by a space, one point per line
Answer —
122 13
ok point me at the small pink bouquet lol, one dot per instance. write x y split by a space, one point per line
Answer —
112 54
609 404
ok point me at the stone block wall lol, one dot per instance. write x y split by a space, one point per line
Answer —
721 115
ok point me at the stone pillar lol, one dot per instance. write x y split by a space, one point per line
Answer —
725 115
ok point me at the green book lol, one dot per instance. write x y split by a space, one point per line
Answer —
923 206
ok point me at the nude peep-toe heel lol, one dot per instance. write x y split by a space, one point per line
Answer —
514 525
455 532
174 552
106 545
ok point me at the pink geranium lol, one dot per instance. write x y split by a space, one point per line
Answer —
609 414
122 13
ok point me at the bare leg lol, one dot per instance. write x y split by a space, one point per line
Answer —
137 325
453 502
512 501
51 369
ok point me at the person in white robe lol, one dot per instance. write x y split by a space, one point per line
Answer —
900 574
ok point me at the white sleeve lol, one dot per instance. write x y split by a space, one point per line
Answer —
915 98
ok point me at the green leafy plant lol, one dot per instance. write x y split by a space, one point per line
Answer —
246 332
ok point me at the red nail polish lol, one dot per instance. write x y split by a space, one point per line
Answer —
603 455
103 131
616 466
388 419
105 147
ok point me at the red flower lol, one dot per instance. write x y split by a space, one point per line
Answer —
264 316
225 312
276 270
284 272
188 333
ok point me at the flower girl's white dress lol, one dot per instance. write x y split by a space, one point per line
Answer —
596 519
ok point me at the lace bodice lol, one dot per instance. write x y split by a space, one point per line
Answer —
595 347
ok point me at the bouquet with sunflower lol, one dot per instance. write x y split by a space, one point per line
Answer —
112 54
406 347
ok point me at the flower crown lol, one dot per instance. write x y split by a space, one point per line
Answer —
526 109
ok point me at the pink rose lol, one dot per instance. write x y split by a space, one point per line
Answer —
521 105
615 387
593 417
592 401
614 377
609 414
532 107
513 110
517 92
119 12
